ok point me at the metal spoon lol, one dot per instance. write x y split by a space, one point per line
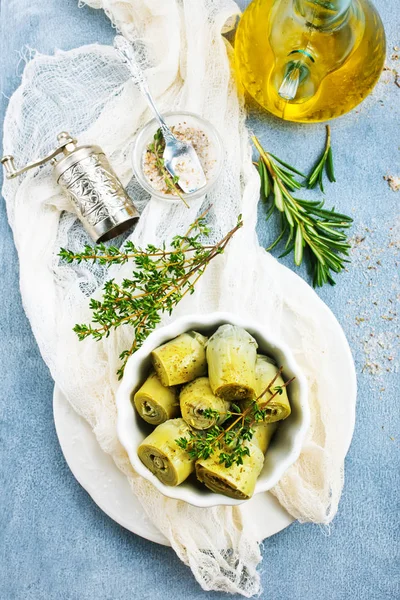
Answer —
180 158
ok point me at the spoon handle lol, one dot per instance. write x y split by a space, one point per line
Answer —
126 53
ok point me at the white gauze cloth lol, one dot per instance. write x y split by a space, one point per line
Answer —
86 92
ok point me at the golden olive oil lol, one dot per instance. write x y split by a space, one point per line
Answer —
309 60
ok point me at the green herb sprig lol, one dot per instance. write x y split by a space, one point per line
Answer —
210 413
231 441
324 163
159 281
156 148
305 224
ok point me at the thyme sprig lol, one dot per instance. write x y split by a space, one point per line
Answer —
305 224
156 148
231 441
324 163
160 279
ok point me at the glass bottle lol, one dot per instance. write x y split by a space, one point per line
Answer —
309 60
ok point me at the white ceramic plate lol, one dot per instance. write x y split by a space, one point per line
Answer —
108 487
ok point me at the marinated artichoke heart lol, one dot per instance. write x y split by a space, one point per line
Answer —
160 453
231 356
278 408
195 398
156 403
236 481
263 433
181 360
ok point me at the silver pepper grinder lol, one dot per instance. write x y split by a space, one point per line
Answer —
94 189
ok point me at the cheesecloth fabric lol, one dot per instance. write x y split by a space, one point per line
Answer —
86 92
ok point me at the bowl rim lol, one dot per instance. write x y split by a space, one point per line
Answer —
138 172
126 410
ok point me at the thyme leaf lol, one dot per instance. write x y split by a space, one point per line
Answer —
160 279
232 442
156 148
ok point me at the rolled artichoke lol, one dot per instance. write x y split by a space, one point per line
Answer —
262 435
156 403
236 481
231 356
181 360
195 398
279 407
160 453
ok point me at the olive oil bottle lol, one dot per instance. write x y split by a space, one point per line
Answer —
309 60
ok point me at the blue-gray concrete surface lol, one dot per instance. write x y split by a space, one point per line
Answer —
54 541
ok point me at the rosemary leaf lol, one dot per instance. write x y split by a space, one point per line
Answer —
298 247
329 166
306 223
287 165
325 163
270 211
265 181
288 216
261 171
288 250
278 195
278 239
289 238
313 178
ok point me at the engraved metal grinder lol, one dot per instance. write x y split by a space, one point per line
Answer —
94 189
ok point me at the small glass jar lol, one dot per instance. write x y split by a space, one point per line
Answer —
212 165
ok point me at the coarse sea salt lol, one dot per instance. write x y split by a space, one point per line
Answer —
205 151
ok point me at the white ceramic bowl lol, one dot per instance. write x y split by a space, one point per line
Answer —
286 444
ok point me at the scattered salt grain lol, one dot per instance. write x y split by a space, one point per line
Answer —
375 312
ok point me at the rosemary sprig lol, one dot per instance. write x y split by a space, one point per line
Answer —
159 281
325 162
305 224
232 440
156 148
